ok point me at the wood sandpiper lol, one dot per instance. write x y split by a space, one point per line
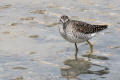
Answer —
77 31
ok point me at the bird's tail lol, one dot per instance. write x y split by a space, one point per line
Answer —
98 28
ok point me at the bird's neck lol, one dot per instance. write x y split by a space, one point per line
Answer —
63 26
62 29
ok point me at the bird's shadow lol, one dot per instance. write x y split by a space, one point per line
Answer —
73 68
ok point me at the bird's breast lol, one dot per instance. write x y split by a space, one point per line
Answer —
72 36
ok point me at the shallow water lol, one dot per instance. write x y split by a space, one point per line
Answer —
32 49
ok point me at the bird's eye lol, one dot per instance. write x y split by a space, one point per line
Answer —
60 20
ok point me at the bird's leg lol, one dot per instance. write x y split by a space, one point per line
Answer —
91 48
76 49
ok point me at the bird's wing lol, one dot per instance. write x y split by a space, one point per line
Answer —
86 28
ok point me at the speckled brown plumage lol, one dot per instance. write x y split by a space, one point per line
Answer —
86 28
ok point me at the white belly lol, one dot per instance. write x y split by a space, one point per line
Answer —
69 36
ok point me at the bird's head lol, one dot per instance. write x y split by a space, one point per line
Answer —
64 19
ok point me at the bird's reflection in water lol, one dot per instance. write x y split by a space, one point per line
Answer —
74 68
96 57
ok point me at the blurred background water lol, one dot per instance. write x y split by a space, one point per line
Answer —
31 47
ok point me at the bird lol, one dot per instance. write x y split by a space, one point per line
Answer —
76 31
